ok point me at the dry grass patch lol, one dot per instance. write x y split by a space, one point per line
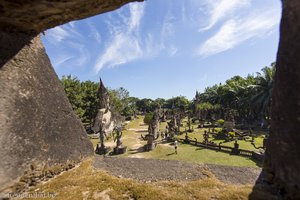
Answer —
84 182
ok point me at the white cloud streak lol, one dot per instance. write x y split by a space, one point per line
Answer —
219 9
69 37
94 32
57 34
83 55
125 45
58 61
236 31
60 33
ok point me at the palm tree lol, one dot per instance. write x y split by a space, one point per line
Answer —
263 91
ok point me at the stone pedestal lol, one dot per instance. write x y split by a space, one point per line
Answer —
120 150
149 147
102 150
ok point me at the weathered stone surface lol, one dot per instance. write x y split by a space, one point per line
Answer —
282 162
37 123
36 15
23 120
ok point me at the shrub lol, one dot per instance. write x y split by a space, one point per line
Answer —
218 130
231 134
220 135
221 122
148 118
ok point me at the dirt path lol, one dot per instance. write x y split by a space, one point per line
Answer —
136 136
147 170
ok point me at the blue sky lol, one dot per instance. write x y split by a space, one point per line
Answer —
168 48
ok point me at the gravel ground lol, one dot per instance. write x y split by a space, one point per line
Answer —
235 175
147 170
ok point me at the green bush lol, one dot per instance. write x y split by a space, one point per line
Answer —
221 122
231 134
148 118
220 135
218 130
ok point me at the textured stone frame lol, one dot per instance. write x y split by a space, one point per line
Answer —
22 20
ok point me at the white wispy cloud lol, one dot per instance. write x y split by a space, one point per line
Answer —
172 51
219 9
57 34
168 34
167 29
125 45
236 31
82 53
68 38
121 50
61 33
61 59
72 24
94 32
136 12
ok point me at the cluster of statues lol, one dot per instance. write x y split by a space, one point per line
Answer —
117 134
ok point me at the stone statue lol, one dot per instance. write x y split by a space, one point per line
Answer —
102 150
186 139
118 136
189 123
150 138
104 117
235 149
102 137
205 137
119 149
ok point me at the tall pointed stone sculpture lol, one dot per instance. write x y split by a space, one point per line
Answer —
104 117
37 124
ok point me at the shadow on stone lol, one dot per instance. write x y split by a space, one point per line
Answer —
11 44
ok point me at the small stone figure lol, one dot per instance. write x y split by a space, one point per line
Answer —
252 138
205 137
220 145
119 149
172 128
186 140
102 150
235 149
102 136
162 135
189 124
150 138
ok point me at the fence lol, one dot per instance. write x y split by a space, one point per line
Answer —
242 152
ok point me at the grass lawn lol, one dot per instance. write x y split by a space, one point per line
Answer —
193 154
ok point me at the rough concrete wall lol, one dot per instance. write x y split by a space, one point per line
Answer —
283 151
281 171
39 15
26 122
37 123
